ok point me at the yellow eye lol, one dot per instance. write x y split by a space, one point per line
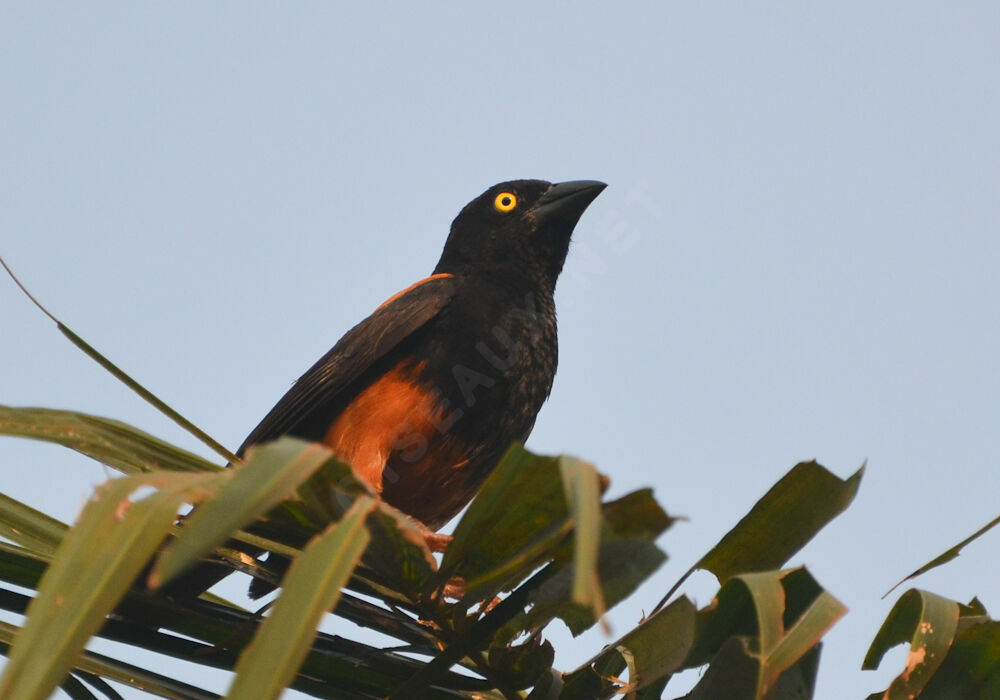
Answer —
505 201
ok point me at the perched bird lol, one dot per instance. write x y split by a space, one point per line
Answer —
423 397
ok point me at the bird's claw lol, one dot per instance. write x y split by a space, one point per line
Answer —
454 589
437 542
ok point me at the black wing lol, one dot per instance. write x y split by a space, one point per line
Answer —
318 390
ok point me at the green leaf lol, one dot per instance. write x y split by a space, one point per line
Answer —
95 664
799 680
735 671
971 671
780 524
506 573
583 494
800 638
21 566
522 664
337 663
148 396
93 568
398 551
111 442
732 674
626 557
132 384
311 588
778 647
654 649
28 527
269 475
929 623
622 566
949 554
518 514
783 613
580 684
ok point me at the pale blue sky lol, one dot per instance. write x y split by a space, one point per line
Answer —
796 256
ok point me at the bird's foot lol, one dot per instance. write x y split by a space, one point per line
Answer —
437 542
454 589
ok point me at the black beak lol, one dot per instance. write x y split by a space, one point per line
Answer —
567 201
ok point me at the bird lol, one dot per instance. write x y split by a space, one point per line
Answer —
423 397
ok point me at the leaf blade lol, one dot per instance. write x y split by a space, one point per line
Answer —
582 488
269 475
949 554
927 621
93 568
28 527
790 514
779 524
311 588
654 649
111 442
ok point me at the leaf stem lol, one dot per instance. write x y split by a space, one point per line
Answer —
121 376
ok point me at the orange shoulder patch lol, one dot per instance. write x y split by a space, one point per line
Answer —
397 295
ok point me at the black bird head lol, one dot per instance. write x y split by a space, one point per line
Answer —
523 224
